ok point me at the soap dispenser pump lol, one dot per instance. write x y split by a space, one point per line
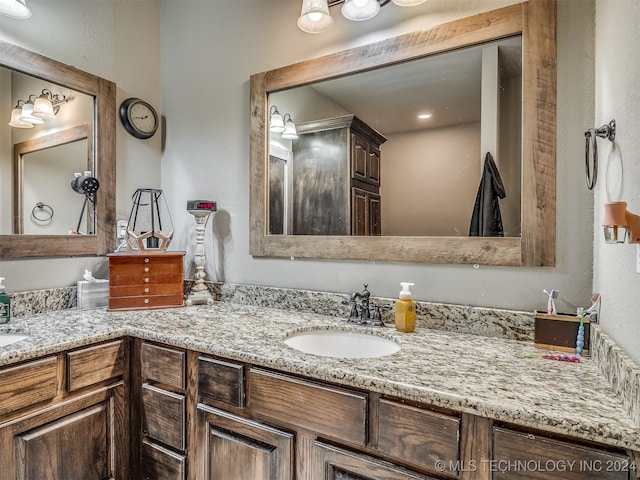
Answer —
405 309
5 303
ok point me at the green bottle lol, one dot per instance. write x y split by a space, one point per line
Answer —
5 303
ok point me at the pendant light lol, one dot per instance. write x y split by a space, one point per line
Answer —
315 17
15 9
359 10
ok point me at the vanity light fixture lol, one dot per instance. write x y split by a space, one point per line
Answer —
315 17
36 109
620 224
16 113
15 9
282 125
290 132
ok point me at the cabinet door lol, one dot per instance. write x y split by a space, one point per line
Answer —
334 463
375 215
373 165
231 447
359 157
359 212
80 440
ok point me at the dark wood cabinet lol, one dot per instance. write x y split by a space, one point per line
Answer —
232 447
335 178
68 417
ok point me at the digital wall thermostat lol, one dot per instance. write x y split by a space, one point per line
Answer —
201 206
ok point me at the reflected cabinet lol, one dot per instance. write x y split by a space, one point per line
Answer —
335 178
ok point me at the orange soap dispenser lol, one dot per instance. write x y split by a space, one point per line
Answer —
405 310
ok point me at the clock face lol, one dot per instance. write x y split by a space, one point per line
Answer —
139 118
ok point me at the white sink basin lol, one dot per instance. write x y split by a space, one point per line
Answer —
9 338
342 344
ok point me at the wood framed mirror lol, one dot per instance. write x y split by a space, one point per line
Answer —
535 21
101 138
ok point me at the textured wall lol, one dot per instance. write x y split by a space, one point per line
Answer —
616 97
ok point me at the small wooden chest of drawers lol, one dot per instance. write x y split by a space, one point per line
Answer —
145 280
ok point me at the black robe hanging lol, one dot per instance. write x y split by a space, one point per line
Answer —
486 220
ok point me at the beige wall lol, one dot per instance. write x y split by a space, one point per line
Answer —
429 181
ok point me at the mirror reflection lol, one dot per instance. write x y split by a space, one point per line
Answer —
44 156
399 151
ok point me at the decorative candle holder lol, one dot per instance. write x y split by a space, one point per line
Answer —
199 293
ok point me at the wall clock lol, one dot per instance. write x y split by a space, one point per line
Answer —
138 118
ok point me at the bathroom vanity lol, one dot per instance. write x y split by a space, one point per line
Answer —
215 389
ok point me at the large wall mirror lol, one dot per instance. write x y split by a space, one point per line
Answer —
367 179
41 215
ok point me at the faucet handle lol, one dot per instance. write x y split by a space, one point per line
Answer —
376 318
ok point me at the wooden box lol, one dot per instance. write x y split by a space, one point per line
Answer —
145 280
559 332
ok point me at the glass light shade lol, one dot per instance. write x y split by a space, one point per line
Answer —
359 10
15 9
408 3
16 113
315 17
276 124
27 115
43 108
290 132
149 226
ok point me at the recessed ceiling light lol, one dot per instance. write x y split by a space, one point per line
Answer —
424 116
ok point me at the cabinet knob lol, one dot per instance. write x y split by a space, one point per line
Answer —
146 279
146 300
146 290
146 259
146 269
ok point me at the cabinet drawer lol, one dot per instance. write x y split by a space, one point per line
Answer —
418 436
28 384
145 279
221 381
542 458
124 259
95 364
145 289
159 463
148 301
327 410
163 416
163 365
152 268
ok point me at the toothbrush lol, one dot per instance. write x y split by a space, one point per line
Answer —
580 337
563 357
551 306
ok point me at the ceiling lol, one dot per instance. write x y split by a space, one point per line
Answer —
448 86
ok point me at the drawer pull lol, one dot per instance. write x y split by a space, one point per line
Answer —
146 260
146 300
146 269
146 279
146 289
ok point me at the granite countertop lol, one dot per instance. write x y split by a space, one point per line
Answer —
468 373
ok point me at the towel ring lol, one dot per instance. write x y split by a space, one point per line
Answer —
607 131
48 212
